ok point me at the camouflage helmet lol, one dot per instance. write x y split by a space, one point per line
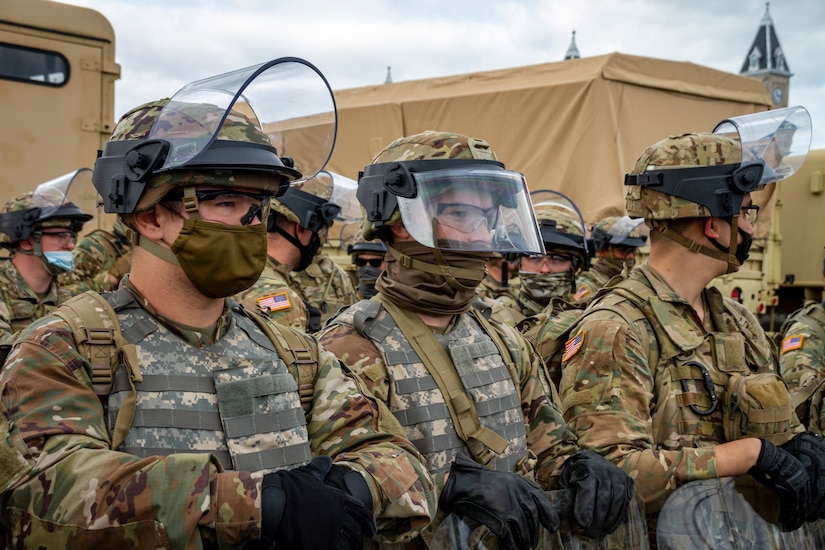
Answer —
130 175
378 198
562 231
690 176
306 203
375 247
45 207
617 231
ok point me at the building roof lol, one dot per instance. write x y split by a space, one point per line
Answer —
765 56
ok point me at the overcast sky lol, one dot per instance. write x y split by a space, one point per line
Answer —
163 45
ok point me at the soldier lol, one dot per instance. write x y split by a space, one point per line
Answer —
668 379
470 393
615 241
802 362
226 441
101 259
41 229
296 227
551 276
369 260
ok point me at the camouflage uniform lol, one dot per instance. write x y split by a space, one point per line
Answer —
620 385
589 282
324 285
802 362
273 295
98 257
19 304
216 505
492 289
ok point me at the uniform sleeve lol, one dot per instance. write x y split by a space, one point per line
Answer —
802 365
359 431
76 492
283 304
607 392
5 320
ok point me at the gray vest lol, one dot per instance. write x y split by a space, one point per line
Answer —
234 399
417 402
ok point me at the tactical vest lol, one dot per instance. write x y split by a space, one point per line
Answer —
702 378
235 399
419 405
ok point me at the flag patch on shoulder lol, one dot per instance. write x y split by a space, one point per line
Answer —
274 302
573 345
792 342
581 292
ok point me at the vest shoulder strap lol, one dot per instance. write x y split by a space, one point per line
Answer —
96 332
480 440
301 359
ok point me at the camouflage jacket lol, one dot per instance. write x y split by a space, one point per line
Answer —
69 489
631 383
19 304
324 285
272 294
589 282
802 362
492 289
95 255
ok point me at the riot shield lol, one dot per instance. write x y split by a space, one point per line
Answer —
715 514
456 533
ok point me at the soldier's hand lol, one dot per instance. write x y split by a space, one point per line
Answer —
509 505
299 510
603 492
778 470
809 449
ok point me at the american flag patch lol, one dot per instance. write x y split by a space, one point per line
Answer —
274 302
582 291
792 342
573 345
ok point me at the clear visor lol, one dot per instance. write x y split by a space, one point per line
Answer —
472 209
781 138
287 99
347 224
60 190
567 216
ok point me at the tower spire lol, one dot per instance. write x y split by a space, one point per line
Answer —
766 61
572 50
388 80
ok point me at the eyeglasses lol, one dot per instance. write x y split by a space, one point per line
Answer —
222 204
63 237
466 217
750 213
374 262
534 263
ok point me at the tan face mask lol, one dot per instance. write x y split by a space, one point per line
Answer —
221 260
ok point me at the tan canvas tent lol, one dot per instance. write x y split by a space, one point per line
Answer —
575 126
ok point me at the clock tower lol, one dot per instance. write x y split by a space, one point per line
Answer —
766 62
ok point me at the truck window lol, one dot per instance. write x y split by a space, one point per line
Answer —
32 65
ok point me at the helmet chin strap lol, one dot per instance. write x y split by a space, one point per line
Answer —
719 253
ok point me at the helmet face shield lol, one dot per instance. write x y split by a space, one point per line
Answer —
472 209
562 226
781 138
627 231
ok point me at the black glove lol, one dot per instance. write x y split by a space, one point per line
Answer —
779 471
602 492
299 510
809 449
509 505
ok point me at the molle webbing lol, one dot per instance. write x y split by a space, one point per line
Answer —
480 440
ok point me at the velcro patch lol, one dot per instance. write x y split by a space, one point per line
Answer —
274 302
581 292
792 342
572 346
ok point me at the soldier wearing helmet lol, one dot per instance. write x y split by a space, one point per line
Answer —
41 229
552 275
101 259
661 373
615 241
468 392
501 279
369 258
297 224
218 427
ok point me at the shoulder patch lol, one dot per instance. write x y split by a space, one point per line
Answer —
581 293
792 342
274 302
572 346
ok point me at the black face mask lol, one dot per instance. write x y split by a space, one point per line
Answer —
308 252
742 249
